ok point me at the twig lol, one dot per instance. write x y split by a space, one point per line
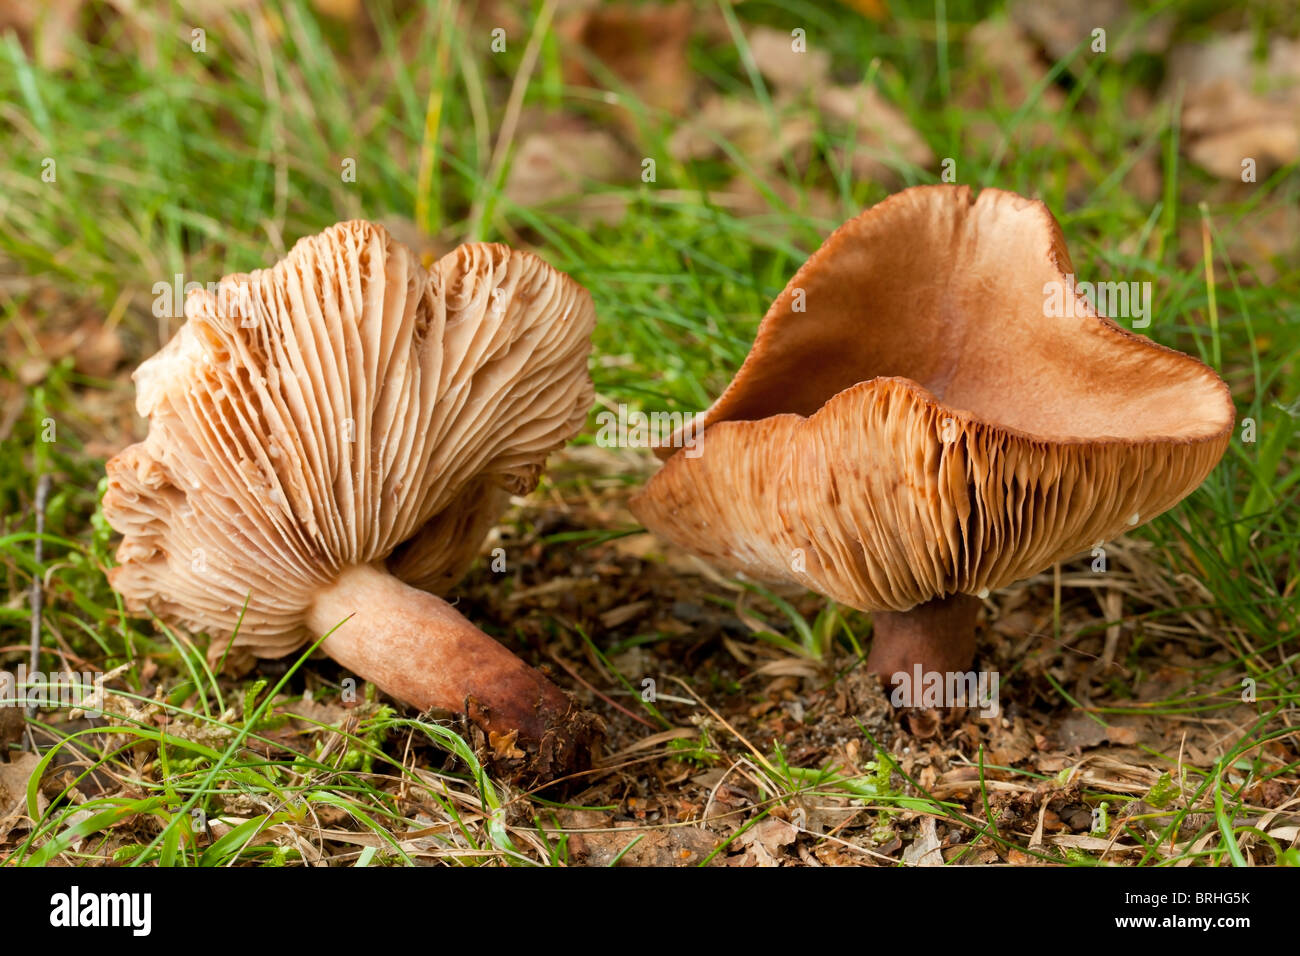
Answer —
38 593
617 706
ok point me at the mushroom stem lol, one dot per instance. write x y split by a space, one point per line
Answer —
939 635
417 648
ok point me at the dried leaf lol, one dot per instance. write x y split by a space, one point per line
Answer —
884 137
14 777
1236 107
43 27
787 62
503 745
924 850
644 47
1061 25
563 164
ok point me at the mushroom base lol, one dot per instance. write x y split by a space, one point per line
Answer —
938 636
415 646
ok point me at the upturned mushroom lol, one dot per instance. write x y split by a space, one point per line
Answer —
931 411
329 441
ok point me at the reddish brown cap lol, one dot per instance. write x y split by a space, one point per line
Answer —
316 415
915 420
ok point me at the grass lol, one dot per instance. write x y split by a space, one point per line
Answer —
170 161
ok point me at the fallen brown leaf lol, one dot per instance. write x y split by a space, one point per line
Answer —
884 137
1237 107
643 46
786 68
14 777
924 850
503 745
563 164
1061 25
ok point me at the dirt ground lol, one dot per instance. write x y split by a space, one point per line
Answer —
707 786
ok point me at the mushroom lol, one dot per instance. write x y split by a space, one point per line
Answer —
921 422
330 436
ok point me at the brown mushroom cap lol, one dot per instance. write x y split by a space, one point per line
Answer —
922 428
316 415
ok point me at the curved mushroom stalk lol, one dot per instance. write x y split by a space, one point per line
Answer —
419 649
938 636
